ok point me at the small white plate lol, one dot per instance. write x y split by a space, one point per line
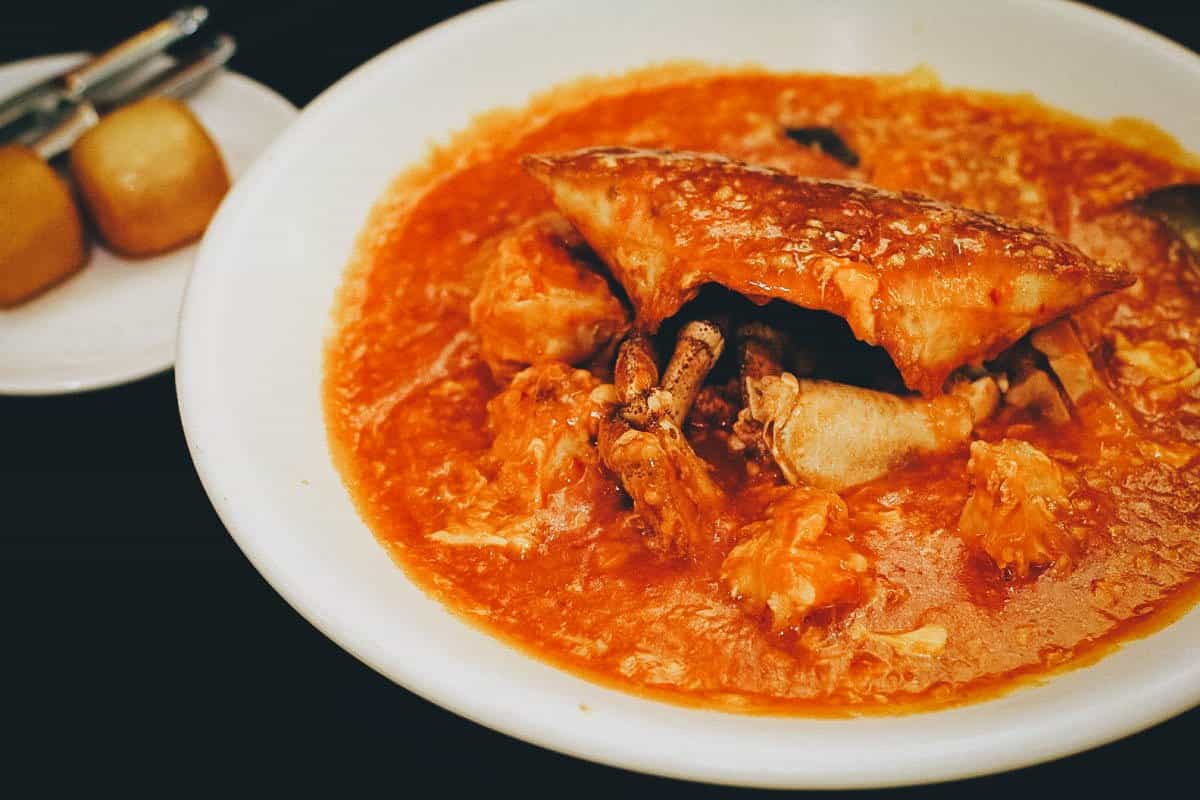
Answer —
114 320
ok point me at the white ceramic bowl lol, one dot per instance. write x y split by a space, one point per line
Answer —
257 312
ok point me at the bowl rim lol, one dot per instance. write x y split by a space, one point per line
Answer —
1162 700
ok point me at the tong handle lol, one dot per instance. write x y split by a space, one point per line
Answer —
133 50
182 79
177 82
45 97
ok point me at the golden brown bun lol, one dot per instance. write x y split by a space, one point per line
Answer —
41 235
150 176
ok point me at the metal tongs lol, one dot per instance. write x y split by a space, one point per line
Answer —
178 81
51 115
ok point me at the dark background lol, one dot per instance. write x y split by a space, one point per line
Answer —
138 645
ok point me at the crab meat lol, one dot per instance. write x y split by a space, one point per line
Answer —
1167 372
936 286
797 559
927 640
1017 508
542 470
541 300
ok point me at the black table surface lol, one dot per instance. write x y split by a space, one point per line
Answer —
136 637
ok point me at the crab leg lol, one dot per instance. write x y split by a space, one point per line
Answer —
636 371
834 435
697 349
636 377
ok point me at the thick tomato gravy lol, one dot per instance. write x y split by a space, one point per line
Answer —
406 395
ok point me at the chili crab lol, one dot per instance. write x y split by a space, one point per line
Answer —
942 290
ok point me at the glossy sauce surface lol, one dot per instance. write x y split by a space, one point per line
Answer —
407 395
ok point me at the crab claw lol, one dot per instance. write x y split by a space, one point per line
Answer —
672 490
